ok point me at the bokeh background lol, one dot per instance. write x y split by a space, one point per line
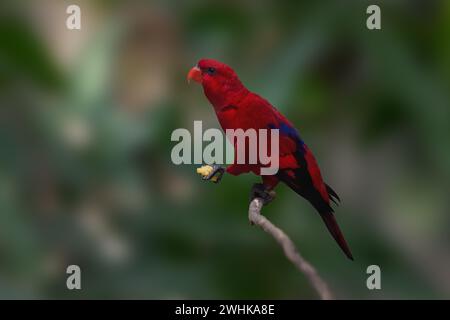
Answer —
85 170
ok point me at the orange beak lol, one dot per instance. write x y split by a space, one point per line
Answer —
195 74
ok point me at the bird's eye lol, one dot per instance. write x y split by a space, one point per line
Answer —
211 71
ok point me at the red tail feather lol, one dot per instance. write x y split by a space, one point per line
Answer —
333 227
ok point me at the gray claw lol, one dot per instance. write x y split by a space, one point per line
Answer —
260 191
216 173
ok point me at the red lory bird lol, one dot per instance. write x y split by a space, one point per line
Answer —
238 108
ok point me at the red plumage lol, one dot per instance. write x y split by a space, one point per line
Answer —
238 108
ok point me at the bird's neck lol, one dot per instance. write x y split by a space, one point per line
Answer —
225 96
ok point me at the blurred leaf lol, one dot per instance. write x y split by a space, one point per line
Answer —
23 54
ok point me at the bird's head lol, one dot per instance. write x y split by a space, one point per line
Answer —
220 83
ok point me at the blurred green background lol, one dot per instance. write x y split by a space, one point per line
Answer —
85 170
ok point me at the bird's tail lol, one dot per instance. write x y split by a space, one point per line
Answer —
335 231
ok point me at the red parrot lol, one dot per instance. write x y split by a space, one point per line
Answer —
238 108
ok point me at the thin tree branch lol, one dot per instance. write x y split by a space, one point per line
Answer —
291 252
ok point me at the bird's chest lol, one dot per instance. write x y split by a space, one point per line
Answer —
237 118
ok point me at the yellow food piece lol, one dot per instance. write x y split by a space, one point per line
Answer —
205 170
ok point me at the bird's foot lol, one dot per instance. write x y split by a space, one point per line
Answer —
259 190
212 173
